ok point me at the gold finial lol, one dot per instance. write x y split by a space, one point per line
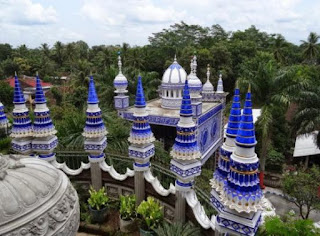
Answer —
237 84
37 74
249 88
15 73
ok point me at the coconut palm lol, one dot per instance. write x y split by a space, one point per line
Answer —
278 48
177 229
272 89
311 47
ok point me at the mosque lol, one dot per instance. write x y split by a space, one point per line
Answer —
187 114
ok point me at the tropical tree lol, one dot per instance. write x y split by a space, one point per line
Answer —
279 46
272 89
59 54
311 48
303 187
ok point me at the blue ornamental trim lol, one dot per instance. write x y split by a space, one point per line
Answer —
142 165
116 83
209 114
95 147
46 146
47 156
185 173
143 155
97 156
21 148
185 185
216 203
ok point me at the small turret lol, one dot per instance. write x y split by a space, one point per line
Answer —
208 89
121 100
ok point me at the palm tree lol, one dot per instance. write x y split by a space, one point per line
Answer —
311 48
278 48
272 89
307 117
177 229
59 52
45 49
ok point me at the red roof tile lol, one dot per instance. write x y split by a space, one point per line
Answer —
27 82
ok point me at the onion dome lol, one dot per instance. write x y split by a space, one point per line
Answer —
195 84
174 75
141 131
221 173
3 117
43 125
120 82
186 146
208 87
94 127
242 190
220 84
22 126
36 198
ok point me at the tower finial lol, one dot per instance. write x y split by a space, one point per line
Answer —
15 73
140 100
119 63
249 88
175 58
37 73
208 72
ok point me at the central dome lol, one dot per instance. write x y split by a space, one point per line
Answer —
36 198
175 74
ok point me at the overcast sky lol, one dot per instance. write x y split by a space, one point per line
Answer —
33 22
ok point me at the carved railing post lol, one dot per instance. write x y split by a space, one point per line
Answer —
185 153
141 138
95 136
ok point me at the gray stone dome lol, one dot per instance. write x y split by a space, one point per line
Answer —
36 198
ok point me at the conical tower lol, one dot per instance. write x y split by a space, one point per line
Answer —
221 173
242 195
141 148
195 88
94 131
45 140
220 84
3 118
185 151
22 129
208 89
121 100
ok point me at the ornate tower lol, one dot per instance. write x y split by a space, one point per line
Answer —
141 148
220 84
242 195
185 153
3 118
208 89
221 173
121 100
22 127
95 135
195 87
45 140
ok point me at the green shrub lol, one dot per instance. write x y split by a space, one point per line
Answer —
275 161
151 213
177 229
5 144
98 199
128 207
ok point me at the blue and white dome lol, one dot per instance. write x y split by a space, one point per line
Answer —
172 84
175 74
120 82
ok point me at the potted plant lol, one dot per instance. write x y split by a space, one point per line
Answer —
98 204
152 216
127 212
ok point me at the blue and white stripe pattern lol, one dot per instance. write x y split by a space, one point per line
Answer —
43 125
3 117
141 131
94 123
242 191
22 126
221 173
186 146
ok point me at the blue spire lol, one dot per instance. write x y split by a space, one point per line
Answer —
40 98
140 100
92 95
186 108
235 115
18 95
246 133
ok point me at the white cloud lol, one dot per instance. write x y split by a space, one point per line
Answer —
25 12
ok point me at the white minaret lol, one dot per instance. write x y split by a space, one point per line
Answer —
121 100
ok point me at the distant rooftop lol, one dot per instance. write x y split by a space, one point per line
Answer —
27 82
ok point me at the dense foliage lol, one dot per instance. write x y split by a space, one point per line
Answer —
282 74
151 214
